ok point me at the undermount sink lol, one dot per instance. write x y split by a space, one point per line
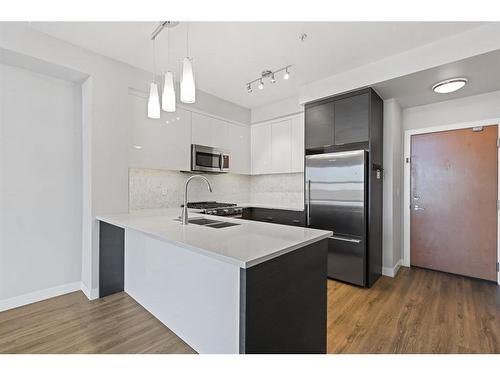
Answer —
211 223
203 221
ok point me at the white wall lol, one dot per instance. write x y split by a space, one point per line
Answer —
471 108
40 183
281 108
107 124
392 213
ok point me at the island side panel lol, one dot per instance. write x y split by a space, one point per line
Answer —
196 296
283 303
111 259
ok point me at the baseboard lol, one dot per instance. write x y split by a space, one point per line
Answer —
89 293
40 295
391 271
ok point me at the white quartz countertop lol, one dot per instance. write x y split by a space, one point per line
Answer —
243 245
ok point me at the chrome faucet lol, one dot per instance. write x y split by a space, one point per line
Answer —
184 218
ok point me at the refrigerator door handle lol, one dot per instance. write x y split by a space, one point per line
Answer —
354 240
308 202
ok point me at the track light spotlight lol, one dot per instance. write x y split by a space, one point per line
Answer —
287 74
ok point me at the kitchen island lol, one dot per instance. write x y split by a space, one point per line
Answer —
252 287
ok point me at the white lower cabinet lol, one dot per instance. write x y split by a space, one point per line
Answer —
159 144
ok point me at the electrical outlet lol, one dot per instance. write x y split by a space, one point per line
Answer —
164 191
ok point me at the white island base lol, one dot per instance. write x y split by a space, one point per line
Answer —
250 288
197 297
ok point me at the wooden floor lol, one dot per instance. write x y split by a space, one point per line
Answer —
419 311
73 324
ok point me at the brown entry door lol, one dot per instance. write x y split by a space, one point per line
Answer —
454 201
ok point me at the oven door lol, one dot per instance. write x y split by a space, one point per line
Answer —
207 159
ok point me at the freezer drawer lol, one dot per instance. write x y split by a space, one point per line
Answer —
346 259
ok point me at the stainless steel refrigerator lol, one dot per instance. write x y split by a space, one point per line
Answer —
336 195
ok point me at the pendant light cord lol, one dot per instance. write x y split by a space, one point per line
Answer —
168 49
154 60
187 38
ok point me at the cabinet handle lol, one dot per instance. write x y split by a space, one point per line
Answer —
269 218
345 239
308 202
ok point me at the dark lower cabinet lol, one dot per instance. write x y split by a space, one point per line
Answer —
111 259
283 303
269 215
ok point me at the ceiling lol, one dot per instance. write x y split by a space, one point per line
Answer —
229 54
415 89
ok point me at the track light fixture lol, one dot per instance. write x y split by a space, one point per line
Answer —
287 74
268 74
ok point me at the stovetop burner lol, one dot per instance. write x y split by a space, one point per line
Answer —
209 205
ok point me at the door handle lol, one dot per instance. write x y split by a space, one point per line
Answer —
354 240
221 161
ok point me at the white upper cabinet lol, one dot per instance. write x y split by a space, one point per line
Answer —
298 143
281 159
278 146
159 144
209 131
201 130
239 148
213 132
261 149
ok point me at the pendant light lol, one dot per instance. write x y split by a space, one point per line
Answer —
188 88
168 95
154 98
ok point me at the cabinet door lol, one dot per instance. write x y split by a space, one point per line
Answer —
178 141
261 149
281 158
319 125
298 144
239 147
201 130
219 134
352 119
159 144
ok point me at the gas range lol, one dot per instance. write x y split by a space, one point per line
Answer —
217 208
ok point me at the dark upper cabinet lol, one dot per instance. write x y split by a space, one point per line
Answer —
346 121
319 125
351 119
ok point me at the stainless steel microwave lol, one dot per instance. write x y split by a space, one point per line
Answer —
209 159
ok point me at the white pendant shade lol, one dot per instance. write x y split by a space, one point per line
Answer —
153 101
168 95
188 90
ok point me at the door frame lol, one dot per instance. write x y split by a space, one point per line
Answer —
407 175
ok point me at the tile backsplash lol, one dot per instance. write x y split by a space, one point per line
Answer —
285 190
151 188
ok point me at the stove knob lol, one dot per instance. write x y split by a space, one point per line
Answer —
226 211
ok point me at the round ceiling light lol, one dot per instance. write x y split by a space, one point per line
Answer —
449 85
